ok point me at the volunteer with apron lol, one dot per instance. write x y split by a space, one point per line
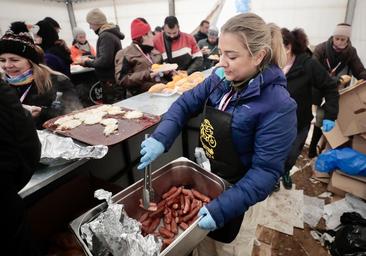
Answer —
248 126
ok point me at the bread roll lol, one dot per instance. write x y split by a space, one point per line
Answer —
157 87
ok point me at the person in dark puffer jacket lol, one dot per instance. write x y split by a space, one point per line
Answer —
108 44
20 152
304 73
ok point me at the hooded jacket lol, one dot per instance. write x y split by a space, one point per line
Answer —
348 58
108 44
263 129
133 69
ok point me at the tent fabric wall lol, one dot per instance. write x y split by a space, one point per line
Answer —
32 11
153 11
358 37
317 18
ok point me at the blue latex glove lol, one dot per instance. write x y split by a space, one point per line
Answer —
150 150
328 125
207 222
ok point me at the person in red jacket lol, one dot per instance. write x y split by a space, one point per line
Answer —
178 47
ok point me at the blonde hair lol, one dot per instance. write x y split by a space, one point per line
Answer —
257 35
42 76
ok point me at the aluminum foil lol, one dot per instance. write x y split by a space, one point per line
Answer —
113 232
57 149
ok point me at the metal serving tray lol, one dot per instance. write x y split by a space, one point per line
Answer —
179 172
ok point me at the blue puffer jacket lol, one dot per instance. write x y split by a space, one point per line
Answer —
263 129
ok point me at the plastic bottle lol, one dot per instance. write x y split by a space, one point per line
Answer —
56 105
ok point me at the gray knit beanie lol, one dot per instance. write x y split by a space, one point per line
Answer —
96 16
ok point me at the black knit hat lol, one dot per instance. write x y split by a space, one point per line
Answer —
21 44
48 34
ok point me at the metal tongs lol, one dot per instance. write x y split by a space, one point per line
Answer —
148 193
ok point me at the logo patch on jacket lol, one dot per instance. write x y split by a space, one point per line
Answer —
207 138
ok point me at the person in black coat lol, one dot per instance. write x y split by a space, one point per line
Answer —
57 54
20 151
303 73
108 44
36 84
202 32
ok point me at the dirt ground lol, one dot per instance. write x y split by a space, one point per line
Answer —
301 243
271 242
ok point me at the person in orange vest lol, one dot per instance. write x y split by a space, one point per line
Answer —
80 46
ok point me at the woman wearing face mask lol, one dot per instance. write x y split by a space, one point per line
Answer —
339 57
304 73
133 63
36 84
80 46
251 122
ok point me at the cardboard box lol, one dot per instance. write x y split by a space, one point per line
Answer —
335 137
356 185
359 144
335 190
352 109
321 176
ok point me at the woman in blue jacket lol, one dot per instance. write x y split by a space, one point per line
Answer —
249 121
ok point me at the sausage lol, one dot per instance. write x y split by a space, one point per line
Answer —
192 214
167 226
147 222
154 224
165 233
172 201
158 213
144 217
195 203
187 205
170 192
168 216
161 203
200 196
183 225
187 192
182 201
175 194
168 241
173 227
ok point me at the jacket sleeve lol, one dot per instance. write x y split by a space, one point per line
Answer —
106 56
357 68
125 74
327 87
186 106
20 148
273 138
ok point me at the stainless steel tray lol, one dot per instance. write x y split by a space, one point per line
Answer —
177 173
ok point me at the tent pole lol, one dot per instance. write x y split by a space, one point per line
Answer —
70 11
350 11
171 7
